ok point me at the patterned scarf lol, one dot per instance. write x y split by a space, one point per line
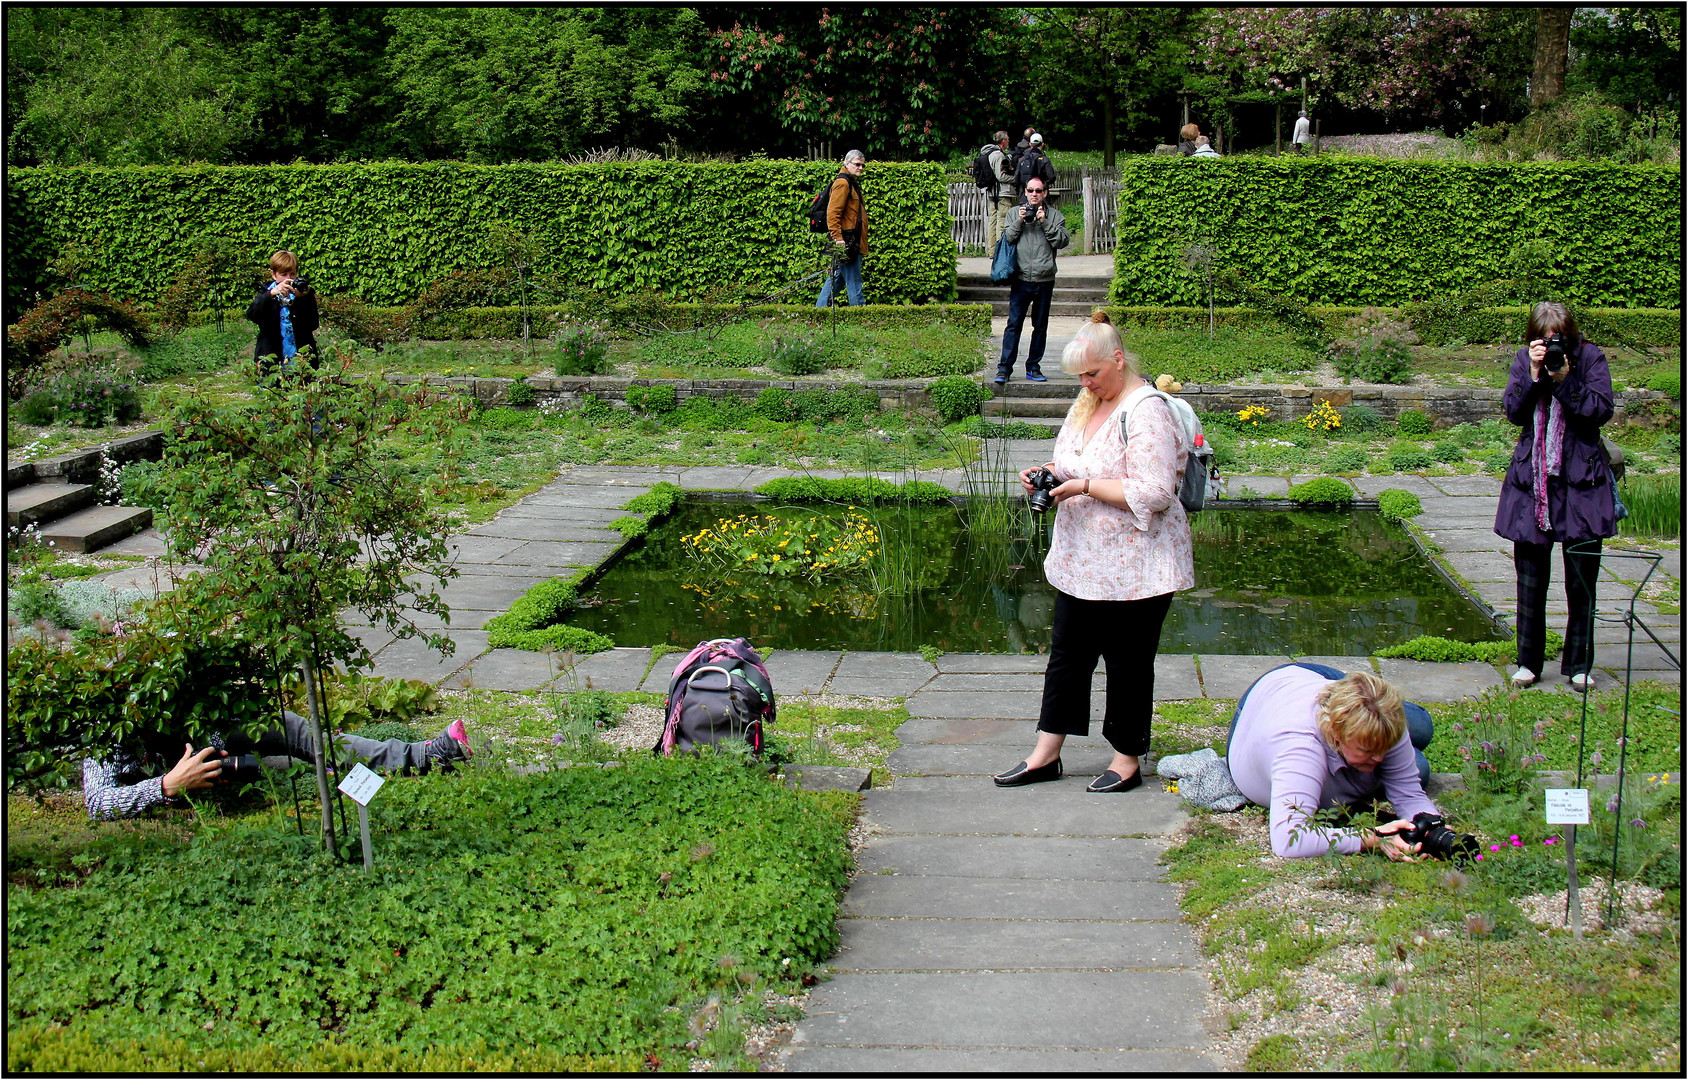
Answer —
288 348
1547 454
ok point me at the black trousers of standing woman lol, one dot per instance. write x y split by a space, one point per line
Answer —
1533 563
1126 634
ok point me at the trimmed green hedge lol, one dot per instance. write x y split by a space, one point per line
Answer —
382 231
1365 231
1657 327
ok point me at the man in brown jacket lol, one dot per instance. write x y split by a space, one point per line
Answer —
846 222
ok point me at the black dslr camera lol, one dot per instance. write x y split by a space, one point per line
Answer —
237 768
1435 839
1043 482
300 285
1555 358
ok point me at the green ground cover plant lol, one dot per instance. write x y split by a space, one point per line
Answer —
1191 356
1440 650
602 913
1323 489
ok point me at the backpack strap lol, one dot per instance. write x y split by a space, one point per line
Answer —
1182 414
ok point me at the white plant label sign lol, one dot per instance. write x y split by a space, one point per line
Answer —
361 784
1565 806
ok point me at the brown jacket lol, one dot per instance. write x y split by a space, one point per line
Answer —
845 211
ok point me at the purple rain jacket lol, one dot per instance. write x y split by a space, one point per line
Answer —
1579 499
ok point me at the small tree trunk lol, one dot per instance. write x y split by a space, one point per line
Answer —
1107 131
319 749
1553 43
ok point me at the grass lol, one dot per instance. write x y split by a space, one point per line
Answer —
1192 357
1655 506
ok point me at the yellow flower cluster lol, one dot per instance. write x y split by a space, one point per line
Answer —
783 546
1253 414
1322 418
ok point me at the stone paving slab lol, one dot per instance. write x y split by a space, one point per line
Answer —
581 497
1349 664
1229 676
148 542
1002 682
562 555
990 663
1051 1009
617 671
547 528
1081 757
577 517
1476 566
1275 487
470 548
506 669
999 705
718 478
1175 677
644 476
1047 858
871 665
968 732
904 896
1369 486
1068 810
1648 657
798 672
411 659
875 688
1420 681
1467 485
869 1060
973 944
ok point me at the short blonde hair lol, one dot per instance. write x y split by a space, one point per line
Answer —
1362 710
1189 132
284 262
1096 341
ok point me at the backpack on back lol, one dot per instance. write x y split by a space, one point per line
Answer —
1032 163
818 208
1192 490
719 690
983 175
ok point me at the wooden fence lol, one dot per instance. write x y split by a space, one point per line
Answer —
1092 192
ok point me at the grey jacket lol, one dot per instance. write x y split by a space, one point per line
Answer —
1002 165
1034 246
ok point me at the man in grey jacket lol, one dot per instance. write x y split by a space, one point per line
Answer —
1003 196
1037 232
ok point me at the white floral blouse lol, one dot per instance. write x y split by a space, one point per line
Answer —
1100 552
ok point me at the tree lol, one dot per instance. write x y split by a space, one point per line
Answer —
1553 46
907 82
1632 56
297 507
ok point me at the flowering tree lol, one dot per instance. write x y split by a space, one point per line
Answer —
893 81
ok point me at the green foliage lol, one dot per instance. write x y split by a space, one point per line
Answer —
1552 725
1441 650
1362 419
1666 382
560 638
980 428
815 406
383 231
582 352
351 701
801 355
956 397
1397 230
534 621
854 490
1191 356
591 911
652 399
1345 459
520 393
39 601
40 408
1322 489
662 498
1413 422
1447 450
1655 506
1376 360
924 364
1397 505
90 398
1275 1053
1409 459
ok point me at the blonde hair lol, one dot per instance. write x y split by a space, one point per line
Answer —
284 262
1362 710
1189 132
1096 340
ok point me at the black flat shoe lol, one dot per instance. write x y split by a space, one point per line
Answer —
1020 775
1112 781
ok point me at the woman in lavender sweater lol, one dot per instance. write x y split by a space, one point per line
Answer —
1306 737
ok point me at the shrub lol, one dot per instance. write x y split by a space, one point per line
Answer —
1413 422
778 404
956 397
820 406
861 490
582 351
1397 505
542 605
652 399
1374 347
921 364
91 398
1497 460
39 601
1323 489
1409 459
1655 506
1666 382
980 428
1447 450
796 355
1361 419
1440 650
40 409
662 498
520 393
1345 459
595 410
1465 435
139 484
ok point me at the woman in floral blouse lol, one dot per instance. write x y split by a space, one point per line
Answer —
1121 548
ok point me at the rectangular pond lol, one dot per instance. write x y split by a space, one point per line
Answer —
1267 582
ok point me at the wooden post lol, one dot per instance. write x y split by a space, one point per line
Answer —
363 830
1089 214
1573 899
1278 127
1317 136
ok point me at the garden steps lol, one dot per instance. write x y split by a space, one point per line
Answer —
57 495
1074 295
94 528
32 504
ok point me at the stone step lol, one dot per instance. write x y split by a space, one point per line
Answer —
1062 308
36 503
1027 408
975 294
1062 281
92 529
20 474
83 466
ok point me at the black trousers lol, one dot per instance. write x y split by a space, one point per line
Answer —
1534 566
1126 634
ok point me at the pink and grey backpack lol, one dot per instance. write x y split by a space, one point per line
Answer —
720 690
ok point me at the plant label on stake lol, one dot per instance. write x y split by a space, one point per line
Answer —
360 785
1569 806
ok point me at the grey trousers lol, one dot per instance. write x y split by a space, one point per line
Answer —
293 739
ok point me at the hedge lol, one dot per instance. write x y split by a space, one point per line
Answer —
382 231
1357 231
1657 327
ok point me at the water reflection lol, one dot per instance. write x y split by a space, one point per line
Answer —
1266 582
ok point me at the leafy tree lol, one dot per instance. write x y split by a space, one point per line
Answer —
1631 55
905 82
295 505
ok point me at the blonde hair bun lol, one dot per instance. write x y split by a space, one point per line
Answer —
1100 315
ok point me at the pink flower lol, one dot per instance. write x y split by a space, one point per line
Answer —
1551 840
1493 847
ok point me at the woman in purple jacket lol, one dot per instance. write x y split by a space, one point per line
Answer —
1559 486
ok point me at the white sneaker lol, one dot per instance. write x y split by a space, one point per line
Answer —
1582 682
1523 677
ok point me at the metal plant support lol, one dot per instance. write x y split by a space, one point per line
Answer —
1627 618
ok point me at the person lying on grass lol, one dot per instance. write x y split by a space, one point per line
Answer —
1306 738
129 782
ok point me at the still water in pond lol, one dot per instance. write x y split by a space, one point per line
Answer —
1267 582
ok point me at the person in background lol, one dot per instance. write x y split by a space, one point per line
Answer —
1559 486
1306 738
1187 136
1037 232
846 223
286 313
1003 196
1303 133
1204 149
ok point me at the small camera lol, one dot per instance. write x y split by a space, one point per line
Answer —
1555 358
1043 482
1435 839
